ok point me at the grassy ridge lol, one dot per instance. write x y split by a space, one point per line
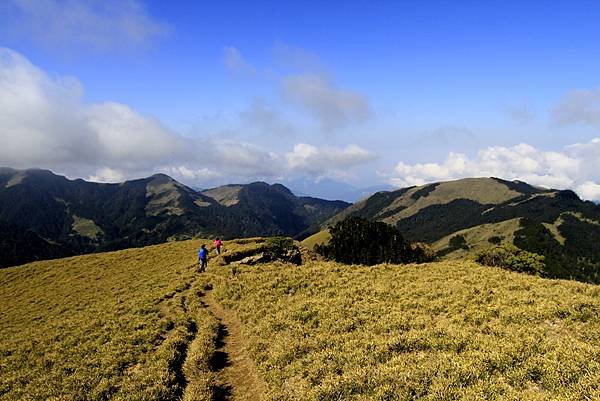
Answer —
447 330
111 325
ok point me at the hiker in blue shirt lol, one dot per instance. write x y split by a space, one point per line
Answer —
202 258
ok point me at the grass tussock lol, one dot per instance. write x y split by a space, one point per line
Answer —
438 331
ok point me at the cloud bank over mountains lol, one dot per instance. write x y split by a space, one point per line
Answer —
44 122
576 166
314 161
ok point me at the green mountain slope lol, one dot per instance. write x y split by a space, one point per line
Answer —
466 216
46 215
276 207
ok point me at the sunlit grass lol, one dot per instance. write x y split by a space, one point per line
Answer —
322 237
128 325
96 326
438 331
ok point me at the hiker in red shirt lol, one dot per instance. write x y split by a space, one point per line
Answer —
217 243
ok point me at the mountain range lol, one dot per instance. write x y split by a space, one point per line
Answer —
460 218
44 215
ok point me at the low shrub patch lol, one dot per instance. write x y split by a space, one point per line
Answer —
510 257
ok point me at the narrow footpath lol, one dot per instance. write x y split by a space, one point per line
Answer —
237 378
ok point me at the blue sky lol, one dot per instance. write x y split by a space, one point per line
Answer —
365 92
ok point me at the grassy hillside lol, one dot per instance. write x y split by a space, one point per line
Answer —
110 325
226 195
439 331
467 243
480 190
322 237
130 325
99 326
391 207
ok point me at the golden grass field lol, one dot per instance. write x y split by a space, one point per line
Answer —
118 326
111 325
439 331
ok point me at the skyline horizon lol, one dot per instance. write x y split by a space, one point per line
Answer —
395 94
294 186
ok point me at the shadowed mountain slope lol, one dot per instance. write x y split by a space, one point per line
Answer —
43 215
276 207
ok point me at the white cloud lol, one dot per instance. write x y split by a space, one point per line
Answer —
123 134
576 167
579 106
45 123
326 160
196 175
37 114
296 58
588 155
107 174
589 190
240 159
304 83
332 106
235 62
102 25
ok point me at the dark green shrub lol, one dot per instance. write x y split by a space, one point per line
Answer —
508 256
455 243
458 242
496 240
422 252
282 248
279 243
360 241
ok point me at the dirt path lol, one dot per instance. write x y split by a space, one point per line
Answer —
237 377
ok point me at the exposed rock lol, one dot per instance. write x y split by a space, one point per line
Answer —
253 259
291 254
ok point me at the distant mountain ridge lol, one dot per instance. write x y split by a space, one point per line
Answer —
331 189
464 216
44 215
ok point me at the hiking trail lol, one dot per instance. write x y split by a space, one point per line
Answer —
237 378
